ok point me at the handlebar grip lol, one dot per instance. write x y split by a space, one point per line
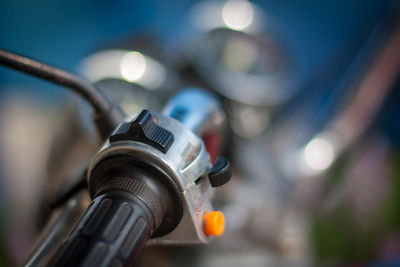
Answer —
113 230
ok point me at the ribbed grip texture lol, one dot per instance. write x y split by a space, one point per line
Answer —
112 232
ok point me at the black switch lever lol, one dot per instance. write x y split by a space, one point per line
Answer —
144 129
220 173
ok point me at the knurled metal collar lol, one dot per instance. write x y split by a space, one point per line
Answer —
138 189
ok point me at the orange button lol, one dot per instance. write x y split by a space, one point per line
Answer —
214 223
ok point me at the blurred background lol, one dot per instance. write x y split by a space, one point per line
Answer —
311 90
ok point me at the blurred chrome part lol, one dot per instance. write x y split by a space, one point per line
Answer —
236 56
131 97
131 66
247 69
234 14
247 121
130 78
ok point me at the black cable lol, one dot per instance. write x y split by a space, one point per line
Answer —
107 116
58 76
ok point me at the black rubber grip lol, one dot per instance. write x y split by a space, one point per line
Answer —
112 232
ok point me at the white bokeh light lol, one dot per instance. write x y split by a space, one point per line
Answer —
319 154
133 66
237 14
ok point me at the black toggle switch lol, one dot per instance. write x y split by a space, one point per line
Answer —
144 129
220 173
